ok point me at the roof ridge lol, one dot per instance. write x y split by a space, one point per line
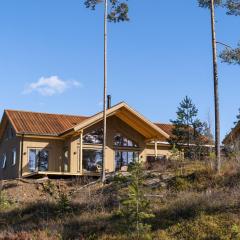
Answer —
45 113
59 114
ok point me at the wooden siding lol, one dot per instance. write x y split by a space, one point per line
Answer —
6 147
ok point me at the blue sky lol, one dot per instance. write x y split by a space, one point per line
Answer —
51 58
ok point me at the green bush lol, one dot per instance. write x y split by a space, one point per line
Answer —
179 184
235 235
4 202
50 188
63 205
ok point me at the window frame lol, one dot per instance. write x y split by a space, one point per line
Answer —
98 138
123 139
37 157
3 160
10 133
14 156
95 164
127 160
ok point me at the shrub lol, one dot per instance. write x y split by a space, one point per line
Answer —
203 227
134 211
50 188
4 202
63 205
179 184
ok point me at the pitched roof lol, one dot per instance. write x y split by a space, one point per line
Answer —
47 124
166 127
42 123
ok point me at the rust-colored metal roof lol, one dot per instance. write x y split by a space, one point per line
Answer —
47 124
42 123
166 127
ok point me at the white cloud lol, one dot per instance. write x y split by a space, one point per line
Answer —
49 86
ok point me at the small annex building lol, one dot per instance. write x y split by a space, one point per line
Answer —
34 143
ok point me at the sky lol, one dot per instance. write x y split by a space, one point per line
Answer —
51 58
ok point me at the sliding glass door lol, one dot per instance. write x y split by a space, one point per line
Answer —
92 160
124 158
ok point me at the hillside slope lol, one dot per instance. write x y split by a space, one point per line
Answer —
188 203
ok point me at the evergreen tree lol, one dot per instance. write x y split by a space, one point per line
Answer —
229 55
188 130
211 4
134 210
207 132
238 118
118 12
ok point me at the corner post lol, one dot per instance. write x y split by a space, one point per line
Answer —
81 153
156 149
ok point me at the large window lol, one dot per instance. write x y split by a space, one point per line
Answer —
121 141
124 158
92 160
14 156
94 137
38 160
3 160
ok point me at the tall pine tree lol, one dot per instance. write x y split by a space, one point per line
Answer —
229 55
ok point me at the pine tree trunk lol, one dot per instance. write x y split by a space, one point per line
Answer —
104 93
216 93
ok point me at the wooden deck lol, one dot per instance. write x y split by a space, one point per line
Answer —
59 174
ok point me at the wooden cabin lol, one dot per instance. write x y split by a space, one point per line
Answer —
34 143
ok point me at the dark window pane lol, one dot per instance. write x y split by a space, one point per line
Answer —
94 137
43 160
38 160
92 160
32 160
124 158
122 141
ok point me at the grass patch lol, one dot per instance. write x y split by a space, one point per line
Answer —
5 203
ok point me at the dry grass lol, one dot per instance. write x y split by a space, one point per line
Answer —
195 204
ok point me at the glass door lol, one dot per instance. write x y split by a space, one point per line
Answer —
124 158
38 160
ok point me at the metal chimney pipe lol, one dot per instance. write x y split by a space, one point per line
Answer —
109 101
